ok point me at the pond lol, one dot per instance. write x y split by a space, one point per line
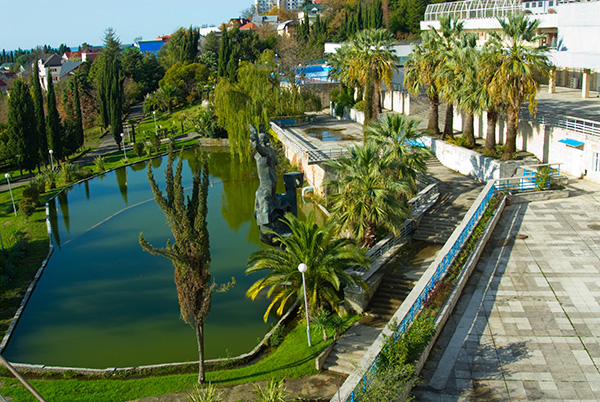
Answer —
327 134
103 302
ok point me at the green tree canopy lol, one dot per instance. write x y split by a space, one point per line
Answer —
22 133
328 256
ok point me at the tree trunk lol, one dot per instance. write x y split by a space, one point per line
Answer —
510 146
448 130
377 99
432 125
468 129
200 340
490 135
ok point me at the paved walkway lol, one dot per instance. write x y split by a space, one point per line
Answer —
527 325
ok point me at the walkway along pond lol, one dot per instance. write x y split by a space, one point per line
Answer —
103 302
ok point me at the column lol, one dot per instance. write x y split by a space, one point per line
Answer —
585 85
552 81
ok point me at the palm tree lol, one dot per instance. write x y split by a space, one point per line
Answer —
400 135
327 256
372 61
448 83
420 72
488 63
461 67
515 79
366 196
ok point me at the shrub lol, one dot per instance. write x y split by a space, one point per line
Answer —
51 176
32 192
138 149
360 105
542 178
40 182
69 173
155 140
276 337
207 394
274 391
460 141
99 163
27 207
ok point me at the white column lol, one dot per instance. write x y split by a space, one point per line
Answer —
585 85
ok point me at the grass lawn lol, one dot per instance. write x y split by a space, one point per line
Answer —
292 359
166 122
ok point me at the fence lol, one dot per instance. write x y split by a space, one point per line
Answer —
358 383
576 124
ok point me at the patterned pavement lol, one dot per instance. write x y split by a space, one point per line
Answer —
527 326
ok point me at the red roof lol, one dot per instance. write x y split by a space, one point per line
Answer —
164 38
72 54
251 26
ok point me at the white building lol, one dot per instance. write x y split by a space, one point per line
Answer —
572 30
264 6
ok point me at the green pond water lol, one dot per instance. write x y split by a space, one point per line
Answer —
103 302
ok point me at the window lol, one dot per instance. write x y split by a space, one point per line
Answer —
540 3
596 162
551 3
527 5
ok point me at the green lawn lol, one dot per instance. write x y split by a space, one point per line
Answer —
292 359
165 121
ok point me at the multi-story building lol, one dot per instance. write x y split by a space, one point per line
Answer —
571 30
264 6
55 68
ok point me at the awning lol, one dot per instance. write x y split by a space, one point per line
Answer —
571 142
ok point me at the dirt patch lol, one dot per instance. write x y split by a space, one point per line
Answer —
316 388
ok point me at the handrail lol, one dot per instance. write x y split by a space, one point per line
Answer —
22 379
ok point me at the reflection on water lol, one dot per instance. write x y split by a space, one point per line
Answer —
103 302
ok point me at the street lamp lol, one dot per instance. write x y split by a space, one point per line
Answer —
51 159
302 268
11 196
155 129
123 141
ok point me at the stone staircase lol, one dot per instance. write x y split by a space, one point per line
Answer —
350 348
457 193
390 294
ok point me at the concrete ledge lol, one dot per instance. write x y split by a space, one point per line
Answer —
539 196
322 358
213 142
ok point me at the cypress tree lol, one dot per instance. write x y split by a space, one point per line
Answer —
53 125
21 126
224 52
116 102
79 137
40 120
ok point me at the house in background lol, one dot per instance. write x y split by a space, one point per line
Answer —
71 56
286 28
90 53
56 68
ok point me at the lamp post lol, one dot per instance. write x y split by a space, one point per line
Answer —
51 159
302 268
11 196
123 141
155 129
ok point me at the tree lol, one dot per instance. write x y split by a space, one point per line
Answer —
460 72
420 72
105 67
40 120
21 126
186 78
190 252
224 51
366 197
189 49
54 126
399 134
372 62
515 78
327 255
116 102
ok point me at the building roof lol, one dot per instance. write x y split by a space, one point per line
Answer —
52 61
68 67
3 84
150 45
68 55
249 26
282 25
164 38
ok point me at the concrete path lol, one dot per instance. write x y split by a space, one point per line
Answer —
527 324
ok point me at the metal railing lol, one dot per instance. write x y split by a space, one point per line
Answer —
571 123
444 261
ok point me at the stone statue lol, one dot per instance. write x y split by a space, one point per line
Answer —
270 207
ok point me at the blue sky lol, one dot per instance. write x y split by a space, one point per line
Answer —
29 23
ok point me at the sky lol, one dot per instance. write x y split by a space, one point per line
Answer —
29 23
